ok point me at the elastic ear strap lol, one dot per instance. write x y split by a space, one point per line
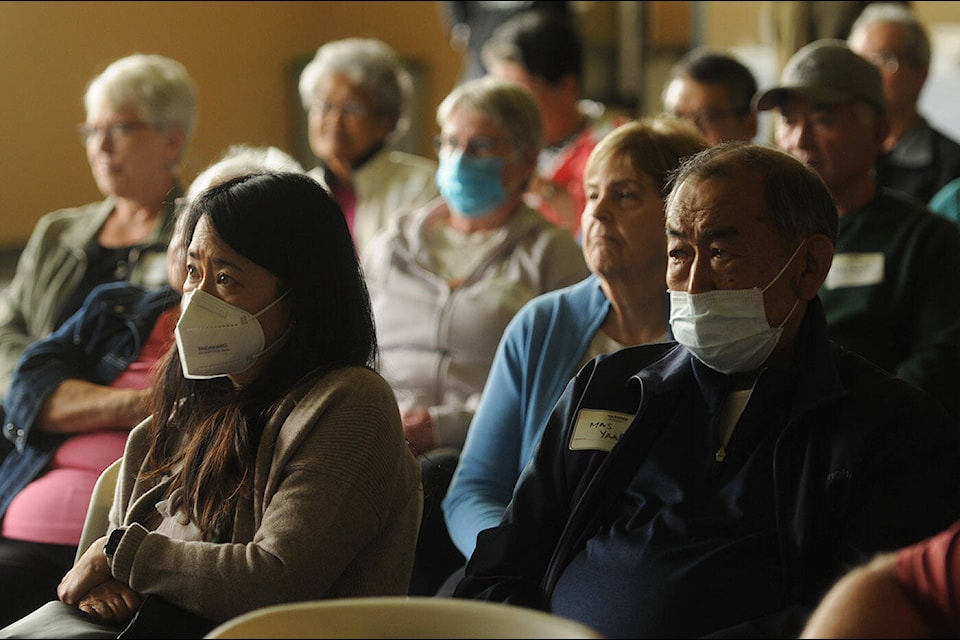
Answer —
780 273
272 304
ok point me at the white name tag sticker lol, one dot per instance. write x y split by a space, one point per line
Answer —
598 429
855 270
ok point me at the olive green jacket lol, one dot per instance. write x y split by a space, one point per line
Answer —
52 265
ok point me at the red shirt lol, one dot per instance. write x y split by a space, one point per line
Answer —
930 570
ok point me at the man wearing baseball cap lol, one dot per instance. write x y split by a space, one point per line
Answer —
893 292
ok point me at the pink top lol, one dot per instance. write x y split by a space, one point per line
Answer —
347 199
52 508
930 570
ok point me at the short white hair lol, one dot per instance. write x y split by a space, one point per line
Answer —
240 160
367 63
157 88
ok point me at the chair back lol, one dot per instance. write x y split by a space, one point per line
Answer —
98 511
399 617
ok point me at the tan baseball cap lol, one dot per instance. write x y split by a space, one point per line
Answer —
827 72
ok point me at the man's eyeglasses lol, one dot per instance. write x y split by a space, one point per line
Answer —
114 132
885 61
479 147
709 118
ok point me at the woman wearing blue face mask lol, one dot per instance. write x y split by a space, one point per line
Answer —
446 279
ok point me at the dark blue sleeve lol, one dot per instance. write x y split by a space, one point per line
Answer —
64 354
510 560
42 368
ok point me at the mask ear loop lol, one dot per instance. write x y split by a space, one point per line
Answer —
272 304
273 344
780 273
777 277
286 331
792 309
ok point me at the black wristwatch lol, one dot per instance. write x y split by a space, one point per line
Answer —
113 541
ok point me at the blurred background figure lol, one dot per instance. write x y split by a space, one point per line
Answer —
239 160
713 90
623 302
788 25
446 279
140 113
543 52
469 25
946 201
917 158
356 94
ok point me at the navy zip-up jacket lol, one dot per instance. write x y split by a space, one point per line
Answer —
864 463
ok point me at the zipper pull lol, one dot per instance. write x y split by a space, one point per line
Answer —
718 459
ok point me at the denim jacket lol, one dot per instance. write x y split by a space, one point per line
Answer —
53 264
95 344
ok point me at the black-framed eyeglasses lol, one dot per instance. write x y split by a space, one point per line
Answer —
114 132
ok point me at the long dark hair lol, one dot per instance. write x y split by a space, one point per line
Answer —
205 432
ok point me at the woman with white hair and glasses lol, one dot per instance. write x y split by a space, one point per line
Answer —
356 93
140 112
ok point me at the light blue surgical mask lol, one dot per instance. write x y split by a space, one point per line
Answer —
727 329
472 186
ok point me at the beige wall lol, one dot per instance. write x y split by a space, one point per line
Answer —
728 24
241 55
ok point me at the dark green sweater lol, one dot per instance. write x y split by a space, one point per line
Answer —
893 293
